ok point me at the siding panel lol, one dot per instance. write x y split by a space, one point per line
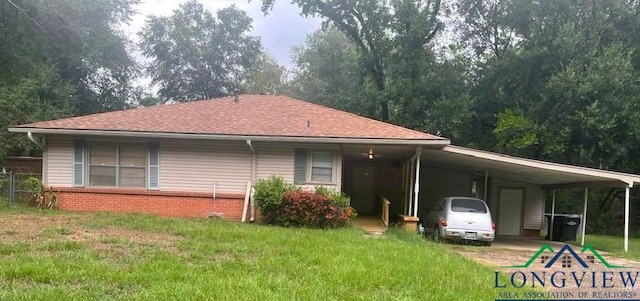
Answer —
278 161
59 161
197 165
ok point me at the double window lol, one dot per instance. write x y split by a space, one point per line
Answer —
117 165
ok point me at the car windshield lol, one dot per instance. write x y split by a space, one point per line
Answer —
468 205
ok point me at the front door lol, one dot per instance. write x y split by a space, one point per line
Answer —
510 212
363 195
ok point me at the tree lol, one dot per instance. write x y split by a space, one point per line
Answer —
372 26
60 58
327 72
196 55
267 77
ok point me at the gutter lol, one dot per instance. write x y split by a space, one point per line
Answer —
156 135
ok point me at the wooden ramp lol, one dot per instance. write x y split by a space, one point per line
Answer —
372 224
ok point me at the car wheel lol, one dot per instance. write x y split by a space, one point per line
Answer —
486 243
436 235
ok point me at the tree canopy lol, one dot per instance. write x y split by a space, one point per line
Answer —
196 55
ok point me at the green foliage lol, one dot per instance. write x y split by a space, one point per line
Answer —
312 210
142 257
267 77
269 194
286 204
59 58
514 131
338 197
375 28
32 184
198 55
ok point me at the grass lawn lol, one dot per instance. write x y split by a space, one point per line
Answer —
614 245
52 255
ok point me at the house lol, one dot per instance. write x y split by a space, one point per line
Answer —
197 159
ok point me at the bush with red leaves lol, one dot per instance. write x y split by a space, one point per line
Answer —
310 209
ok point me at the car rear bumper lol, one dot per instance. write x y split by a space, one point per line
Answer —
466 234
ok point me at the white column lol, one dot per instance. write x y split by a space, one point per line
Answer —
404 186
411 186
553 213
584 215
626 218
486 184
416 190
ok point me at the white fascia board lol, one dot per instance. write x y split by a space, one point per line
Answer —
429 142
629 179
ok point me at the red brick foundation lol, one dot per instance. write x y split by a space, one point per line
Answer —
164 203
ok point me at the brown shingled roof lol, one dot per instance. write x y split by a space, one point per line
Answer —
253 115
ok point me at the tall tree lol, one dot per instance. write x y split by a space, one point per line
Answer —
61 58
196 55
267 77
370 25
327 72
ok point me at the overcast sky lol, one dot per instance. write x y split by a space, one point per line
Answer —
279 31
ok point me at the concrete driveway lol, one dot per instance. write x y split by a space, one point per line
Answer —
523 243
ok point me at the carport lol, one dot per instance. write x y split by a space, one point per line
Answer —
482 166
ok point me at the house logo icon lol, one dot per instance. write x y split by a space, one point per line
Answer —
567 257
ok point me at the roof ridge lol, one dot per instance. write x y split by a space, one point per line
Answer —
355 115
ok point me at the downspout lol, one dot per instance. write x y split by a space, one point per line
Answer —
254 160
33 139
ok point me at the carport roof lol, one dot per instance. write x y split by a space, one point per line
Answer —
548 174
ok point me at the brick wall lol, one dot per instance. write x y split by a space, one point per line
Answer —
173 204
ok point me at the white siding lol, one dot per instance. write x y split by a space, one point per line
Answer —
533 202
275 160
193 165
197 165
278 159
59 161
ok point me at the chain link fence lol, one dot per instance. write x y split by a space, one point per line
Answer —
19 187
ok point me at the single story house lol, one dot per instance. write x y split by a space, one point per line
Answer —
199 158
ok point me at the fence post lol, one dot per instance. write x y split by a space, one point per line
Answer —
11 188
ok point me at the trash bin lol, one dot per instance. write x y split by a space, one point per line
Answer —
565 227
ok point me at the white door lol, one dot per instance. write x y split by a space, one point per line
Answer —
510 212
363 194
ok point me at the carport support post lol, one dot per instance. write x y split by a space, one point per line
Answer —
416 190
584 215
626 219
553 214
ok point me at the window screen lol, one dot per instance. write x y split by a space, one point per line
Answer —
322 167
117 165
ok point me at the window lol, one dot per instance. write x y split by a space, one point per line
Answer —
122 165
468 205
322 167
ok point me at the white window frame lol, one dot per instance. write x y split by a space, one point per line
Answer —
334 167
89 146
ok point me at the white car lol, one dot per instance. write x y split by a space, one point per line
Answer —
460 218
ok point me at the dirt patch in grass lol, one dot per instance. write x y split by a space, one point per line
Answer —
501 260
113 242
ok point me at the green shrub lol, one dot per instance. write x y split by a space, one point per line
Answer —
32 184
286 204
269 194
314 210
338 197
